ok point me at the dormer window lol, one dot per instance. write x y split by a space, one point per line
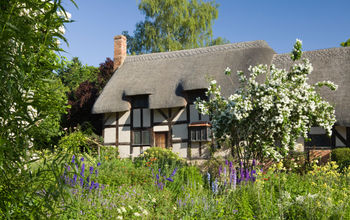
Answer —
139 101
192 95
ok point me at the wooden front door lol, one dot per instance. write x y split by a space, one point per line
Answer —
160 139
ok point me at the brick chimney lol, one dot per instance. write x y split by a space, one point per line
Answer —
119 50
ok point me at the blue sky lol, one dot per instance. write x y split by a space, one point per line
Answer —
318 23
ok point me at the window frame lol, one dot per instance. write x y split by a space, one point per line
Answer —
198 132
141 132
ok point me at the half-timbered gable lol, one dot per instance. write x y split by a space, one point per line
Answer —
149 101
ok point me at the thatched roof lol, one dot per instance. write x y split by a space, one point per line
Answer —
166 76
329 64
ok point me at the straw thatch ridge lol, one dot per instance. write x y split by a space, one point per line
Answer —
166 76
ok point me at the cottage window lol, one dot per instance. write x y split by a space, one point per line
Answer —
200 132
141 137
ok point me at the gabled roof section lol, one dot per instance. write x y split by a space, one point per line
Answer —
331 64
165 76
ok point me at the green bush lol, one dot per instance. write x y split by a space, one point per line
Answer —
342 157
160 158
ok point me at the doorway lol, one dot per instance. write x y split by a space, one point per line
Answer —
161 139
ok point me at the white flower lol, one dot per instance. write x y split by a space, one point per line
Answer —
145 212
154 200
62 30
123 209
119 217
137 214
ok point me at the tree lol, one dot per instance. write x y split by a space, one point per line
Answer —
73 73
32 99
263 120
346 43
173 25
83 98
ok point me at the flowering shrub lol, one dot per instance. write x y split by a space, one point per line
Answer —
263 120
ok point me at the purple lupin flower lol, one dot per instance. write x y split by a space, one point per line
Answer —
74 179
81 182
73 159
91 169
99 164
226 162
220 170
254 162
234 178
82 169
92 185
82 159
246 174
230 166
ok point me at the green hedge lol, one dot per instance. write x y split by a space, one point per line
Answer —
342 157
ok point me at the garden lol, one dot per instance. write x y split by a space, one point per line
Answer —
160 185
51 169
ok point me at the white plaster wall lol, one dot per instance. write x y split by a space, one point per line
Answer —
110 119
124 134
317 130
193 113
124 151
181 149
109 135
137 117
181 116
157 117
146 117
136 151
342 131
124 118
180 131
161 128
194 149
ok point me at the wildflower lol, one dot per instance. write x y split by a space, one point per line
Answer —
99 164
123 209
119 211
82 159
119 217
91 169
73 159
137 214
154 200
145 212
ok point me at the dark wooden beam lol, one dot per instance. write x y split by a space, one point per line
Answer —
348 136
163 114
336 133
333 140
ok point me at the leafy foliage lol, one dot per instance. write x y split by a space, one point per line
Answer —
84 96
32 100
173 25
73 73
264 120
342 157
346 43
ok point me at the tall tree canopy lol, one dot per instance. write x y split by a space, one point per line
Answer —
174 25
74 72
82 98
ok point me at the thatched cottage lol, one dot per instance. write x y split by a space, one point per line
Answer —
149 99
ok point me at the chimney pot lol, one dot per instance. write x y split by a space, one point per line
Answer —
119 51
